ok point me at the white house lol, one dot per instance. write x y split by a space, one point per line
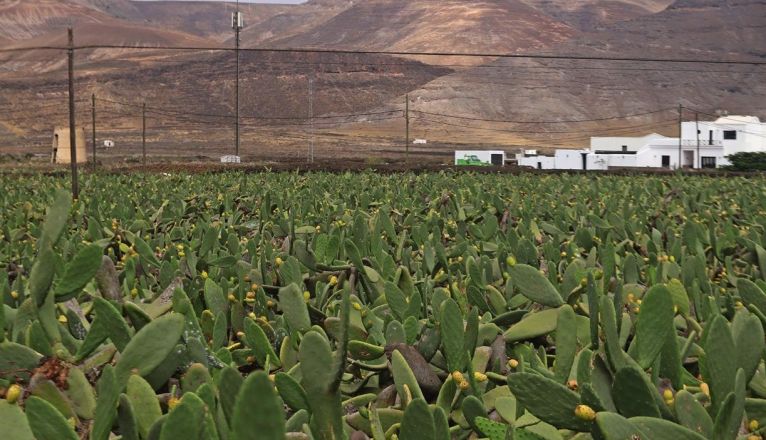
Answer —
703 147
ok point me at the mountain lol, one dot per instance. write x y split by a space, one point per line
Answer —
435 25
21 20
697 28
544 90
472 92
293 20
206 19
587 15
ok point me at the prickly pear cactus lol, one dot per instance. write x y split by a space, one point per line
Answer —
359 305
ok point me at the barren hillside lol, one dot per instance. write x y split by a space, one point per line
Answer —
588 15
436 25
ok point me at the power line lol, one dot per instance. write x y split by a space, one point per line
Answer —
398 53
168 112
635 127
468 118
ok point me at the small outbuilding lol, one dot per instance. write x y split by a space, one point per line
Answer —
60 152
231 159
480 158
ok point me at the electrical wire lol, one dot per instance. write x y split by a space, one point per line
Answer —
394 53
468 118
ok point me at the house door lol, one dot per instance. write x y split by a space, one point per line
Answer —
688 159
497 159
665 161
539 165
584 161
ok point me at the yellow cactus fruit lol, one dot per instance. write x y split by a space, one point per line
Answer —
667 394
13 394
479 377
584 412
464 385
705 389
173 402
513 363
457 376
357 306
278 261
203 275
510 261
63 319
232 298
753 425
333 280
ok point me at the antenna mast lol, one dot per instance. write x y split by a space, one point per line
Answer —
237 22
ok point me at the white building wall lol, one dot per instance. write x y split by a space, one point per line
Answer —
652 149
538 162
617 143
750 133
606 161
569 159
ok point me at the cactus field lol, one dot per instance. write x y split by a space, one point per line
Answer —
429 306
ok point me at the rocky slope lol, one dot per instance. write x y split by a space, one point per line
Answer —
588 15
435 25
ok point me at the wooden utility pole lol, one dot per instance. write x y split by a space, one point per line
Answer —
311 120
72 132
697 122
237 23
407 128
143 132
93 126
680 135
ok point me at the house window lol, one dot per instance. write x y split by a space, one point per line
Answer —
708 162
730 135
665 161
624 148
